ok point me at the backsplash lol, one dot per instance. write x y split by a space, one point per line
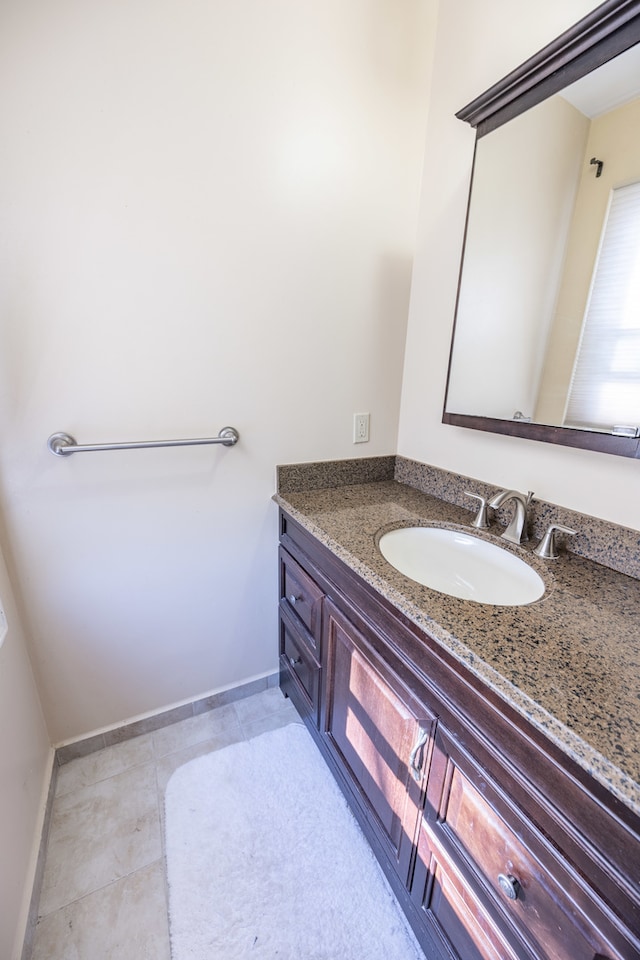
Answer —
603 542
607 543
296 477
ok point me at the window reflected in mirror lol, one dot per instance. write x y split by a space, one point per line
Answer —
605 385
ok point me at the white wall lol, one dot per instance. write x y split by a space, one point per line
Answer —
25 763
209 213
477 44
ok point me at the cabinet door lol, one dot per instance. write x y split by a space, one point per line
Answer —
379 734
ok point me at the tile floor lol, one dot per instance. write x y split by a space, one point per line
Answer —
103 894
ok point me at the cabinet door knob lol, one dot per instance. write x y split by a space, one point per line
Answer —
294 661
509 885
293 599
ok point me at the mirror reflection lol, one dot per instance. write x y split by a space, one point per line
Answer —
548 317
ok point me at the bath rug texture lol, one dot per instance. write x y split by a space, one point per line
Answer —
266 862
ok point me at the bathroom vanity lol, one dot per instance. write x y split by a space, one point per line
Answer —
489 753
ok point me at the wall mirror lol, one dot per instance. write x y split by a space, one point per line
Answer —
546 340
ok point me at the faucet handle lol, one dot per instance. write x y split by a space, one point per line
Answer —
480 521
547 546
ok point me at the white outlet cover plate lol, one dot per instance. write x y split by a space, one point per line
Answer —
360 427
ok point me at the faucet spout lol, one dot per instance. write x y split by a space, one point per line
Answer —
516 531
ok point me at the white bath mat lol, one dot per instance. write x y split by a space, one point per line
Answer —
265 860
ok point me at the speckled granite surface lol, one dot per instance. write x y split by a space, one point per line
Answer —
570 662
294 477
606 543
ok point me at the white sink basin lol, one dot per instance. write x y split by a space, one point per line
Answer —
461 565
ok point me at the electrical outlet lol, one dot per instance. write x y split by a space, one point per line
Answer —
360 427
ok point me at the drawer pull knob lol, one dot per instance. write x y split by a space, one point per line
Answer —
293 599
509 885
294 661
416 757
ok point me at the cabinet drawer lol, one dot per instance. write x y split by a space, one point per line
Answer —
295 654
538 895
455 914
302 597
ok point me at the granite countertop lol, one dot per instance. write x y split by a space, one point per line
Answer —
570 662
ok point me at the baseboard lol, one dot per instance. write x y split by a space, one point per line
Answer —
28 922
162 718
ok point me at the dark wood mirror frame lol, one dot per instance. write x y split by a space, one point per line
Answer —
610 29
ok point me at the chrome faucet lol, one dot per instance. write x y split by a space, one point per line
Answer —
516 531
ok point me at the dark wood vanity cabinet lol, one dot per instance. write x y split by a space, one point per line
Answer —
497 846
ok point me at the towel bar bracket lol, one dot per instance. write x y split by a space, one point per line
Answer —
63 445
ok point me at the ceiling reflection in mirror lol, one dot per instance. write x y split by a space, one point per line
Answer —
535 289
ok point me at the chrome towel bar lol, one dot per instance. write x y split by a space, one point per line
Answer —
64 445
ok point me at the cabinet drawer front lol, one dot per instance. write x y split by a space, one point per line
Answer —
538 893
455 913
301 595
294 652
